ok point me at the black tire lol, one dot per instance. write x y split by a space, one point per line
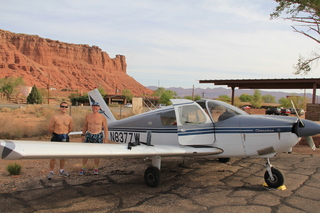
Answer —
278 178
224 160
152 177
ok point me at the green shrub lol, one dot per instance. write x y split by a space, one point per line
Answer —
14 169
34 97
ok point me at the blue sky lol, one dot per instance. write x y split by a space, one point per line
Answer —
171 43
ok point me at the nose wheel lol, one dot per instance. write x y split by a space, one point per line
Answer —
273 177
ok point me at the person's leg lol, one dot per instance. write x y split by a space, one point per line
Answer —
96 162
96 165
84 162
62 163
83 169
62 172
52 163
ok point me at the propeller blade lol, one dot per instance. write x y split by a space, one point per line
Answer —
294 108
311 142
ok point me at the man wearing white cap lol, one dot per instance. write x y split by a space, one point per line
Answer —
92 129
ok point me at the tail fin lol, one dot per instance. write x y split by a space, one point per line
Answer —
95 96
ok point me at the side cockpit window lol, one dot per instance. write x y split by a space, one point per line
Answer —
220 112
168 118
191 114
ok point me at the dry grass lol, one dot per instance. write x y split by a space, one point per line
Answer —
32 120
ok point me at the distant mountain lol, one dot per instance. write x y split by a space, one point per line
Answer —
212 93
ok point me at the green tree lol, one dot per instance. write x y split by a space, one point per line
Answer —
224 98
101 90
256 100
128 94
8 85
269 98
245 97
165 95
197 97
34 97
159 91
79 99
189 97
237 102
306 13
298 101
285 102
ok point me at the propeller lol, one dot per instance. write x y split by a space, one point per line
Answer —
311 142
309 139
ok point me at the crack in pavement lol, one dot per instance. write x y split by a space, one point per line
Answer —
200 185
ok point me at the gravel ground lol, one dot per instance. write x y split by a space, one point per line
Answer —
33 170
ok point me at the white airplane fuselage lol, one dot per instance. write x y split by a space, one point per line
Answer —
241 135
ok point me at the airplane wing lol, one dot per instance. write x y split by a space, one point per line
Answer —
14 150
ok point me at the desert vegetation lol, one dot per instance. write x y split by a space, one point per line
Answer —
32 120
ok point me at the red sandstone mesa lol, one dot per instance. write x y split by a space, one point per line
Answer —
74 66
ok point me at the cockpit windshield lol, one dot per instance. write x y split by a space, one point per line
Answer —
219 111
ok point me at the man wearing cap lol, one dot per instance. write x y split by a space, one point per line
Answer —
92 129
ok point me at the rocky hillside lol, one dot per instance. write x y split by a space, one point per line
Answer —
44 62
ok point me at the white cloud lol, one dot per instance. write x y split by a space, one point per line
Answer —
175 42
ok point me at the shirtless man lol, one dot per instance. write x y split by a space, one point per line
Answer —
92 129
60 126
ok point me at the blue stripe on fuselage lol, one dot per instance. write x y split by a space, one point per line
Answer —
207 130
224 130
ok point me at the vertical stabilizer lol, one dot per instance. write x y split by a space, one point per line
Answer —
95 96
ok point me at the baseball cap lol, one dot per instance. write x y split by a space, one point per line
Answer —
95 104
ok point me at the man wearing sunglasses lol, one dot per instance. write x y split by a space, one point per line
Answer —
60 126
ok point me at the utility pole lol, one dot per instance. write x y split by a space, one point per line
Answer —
193 92
48 87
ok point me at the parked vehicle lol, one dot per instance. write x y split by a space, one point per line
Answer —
128 105
299 111
292 111
246 107
160 105
285 112
273 111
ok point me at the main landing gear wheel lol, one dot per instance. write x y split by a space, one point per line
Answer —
224 160
278 178
152 176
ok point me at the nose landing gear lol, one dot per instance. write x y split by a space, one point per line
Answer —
273 177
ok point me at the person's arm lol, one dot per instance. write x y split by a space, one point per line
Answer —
71 125
105 129
84 128
51 125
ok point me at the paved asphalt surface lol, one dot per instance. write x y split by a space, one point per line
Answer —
197 185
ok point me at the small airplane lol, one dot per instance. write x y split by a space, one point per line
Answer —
187 129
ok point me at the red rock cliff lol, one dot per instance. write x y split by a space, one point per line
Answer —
62 65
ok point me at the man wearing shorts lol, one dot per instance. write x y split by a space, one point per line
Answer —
95 130
60 126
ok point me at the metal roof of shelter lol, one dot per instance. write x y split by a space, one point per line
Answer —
289 83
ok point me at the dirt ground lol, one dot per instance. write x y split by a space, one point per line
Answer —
39 169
